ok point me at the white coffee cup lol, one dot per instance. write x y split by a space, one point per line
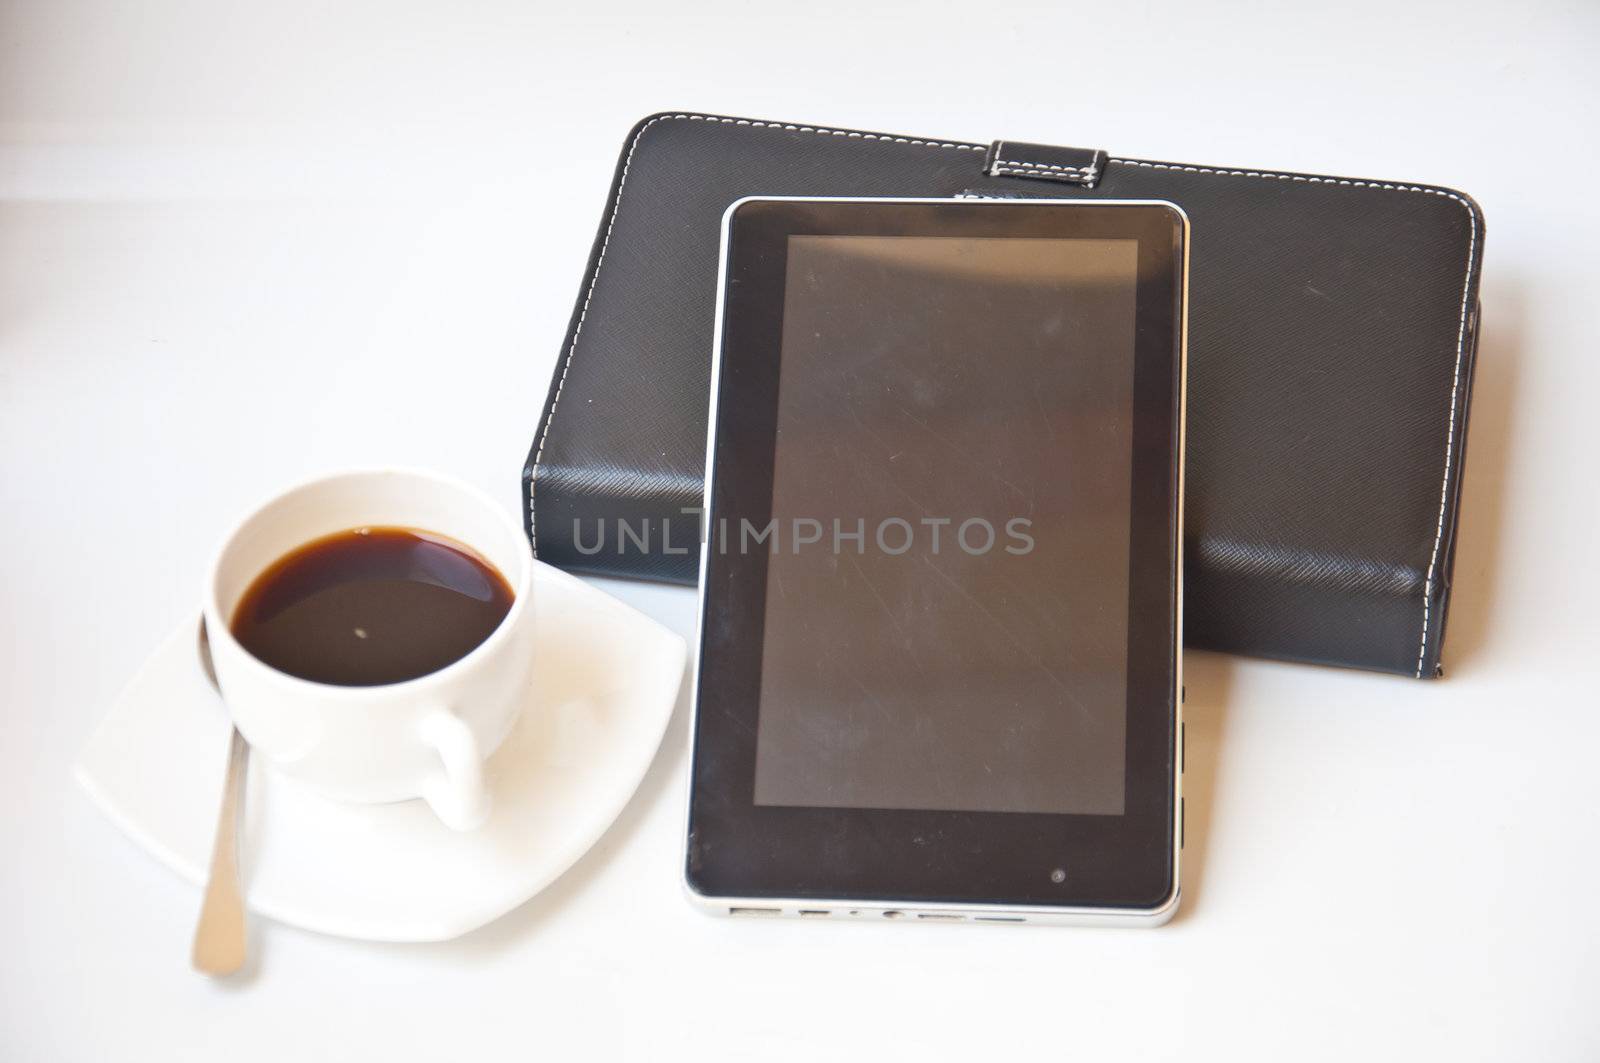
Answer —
426 737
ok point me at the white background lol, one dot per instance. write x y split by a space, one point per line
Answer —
244 242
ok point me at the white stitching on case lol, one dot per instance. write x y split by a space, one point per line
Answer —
1086 177
1309 180
1044 165
1449 441
1001 167
1461 344
605 242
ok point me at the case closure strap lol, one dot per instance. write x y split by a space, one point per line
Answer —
1042 162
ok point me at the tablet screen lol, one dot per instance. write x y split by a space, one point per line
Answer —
946 614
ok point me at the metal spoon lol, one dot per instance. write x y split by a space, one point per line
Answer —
219 939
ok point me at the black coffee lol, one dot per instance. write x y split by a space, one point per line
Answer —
371 606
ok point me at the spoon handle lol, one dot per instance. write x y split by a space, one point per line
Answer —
219 939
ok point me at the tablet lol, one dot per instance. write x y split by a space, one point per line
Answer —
938 671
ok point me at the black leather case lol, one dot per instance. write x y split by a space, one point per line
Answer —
1331 339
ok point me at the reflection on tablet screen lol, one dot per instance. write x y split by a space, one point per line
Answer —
946 617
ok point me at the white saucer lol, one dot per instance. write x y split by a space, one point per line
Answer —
607 678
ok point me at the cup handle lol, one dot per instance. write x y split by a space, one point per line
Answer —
457 793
